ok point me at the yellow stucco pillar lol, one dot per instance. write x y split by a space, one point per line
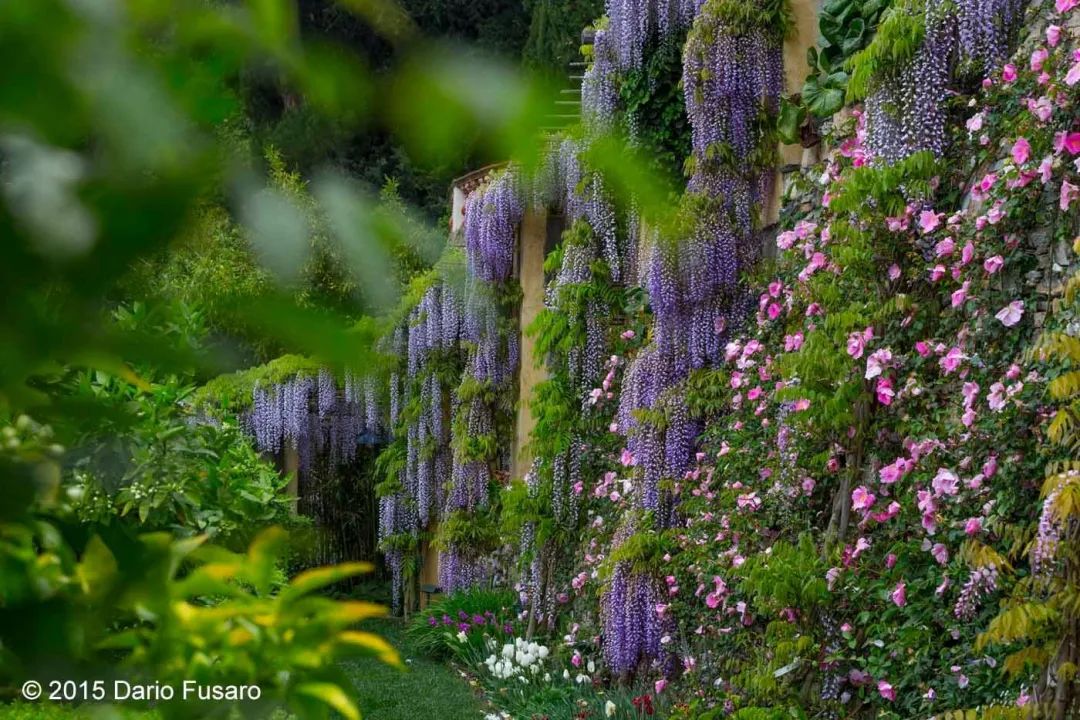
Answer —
803 36
531 244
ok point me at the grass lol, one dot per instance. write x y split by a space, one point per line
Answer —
427 688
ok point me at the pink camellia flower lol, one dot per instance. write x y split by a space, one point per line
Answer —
886 690
1073 76
1038 57
975 122
996 397
945 248
1069 192
899 595
937 272
960 296
1053 35
992 264
940 553
1046 169
1011 313
660 685
890 560
1021 150
973 526
951 360
1008 73
884 391
861 498
1064 6
802 404
1041 108
923 348
894 272
930 221
856 345
945 483
968 253
628 459
1071 142
808 485
877 362
628 335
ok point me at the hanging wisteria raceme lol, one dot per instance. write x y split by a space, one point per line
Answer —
493 213
599 92
312 415
732 78
986 28
633 23
906 110
631 615
428 336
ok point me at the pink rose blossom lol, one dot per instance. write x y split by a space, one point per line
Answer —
992 264
951 360
861 498
973 526
945 483
1073 76
877 362
1038 57
1021 150
1069 192
945 248
1011 313
940 553
960 296
929 220
1008 73
1064 6
884 391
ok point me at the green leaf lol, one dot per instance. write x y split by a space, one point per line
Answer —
792 117
332 695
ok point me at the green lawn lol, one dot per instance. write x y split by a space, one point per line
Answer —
426 690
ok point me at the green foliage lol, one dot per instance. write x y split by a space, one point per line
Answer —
555 32
789 576
846 27
431 635
147 464
471 531
655 106
899 35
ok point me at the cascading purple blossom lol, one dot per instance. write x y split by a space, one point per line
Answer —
905 109
308 414
632 624
732 78
633 23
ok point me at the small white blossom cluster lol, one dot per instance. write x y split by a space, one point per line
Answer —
517 659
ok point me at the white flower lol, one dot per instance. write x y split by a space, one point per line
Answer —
609 709
543 652
462 637
565 674
591 667
508 651
581 679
